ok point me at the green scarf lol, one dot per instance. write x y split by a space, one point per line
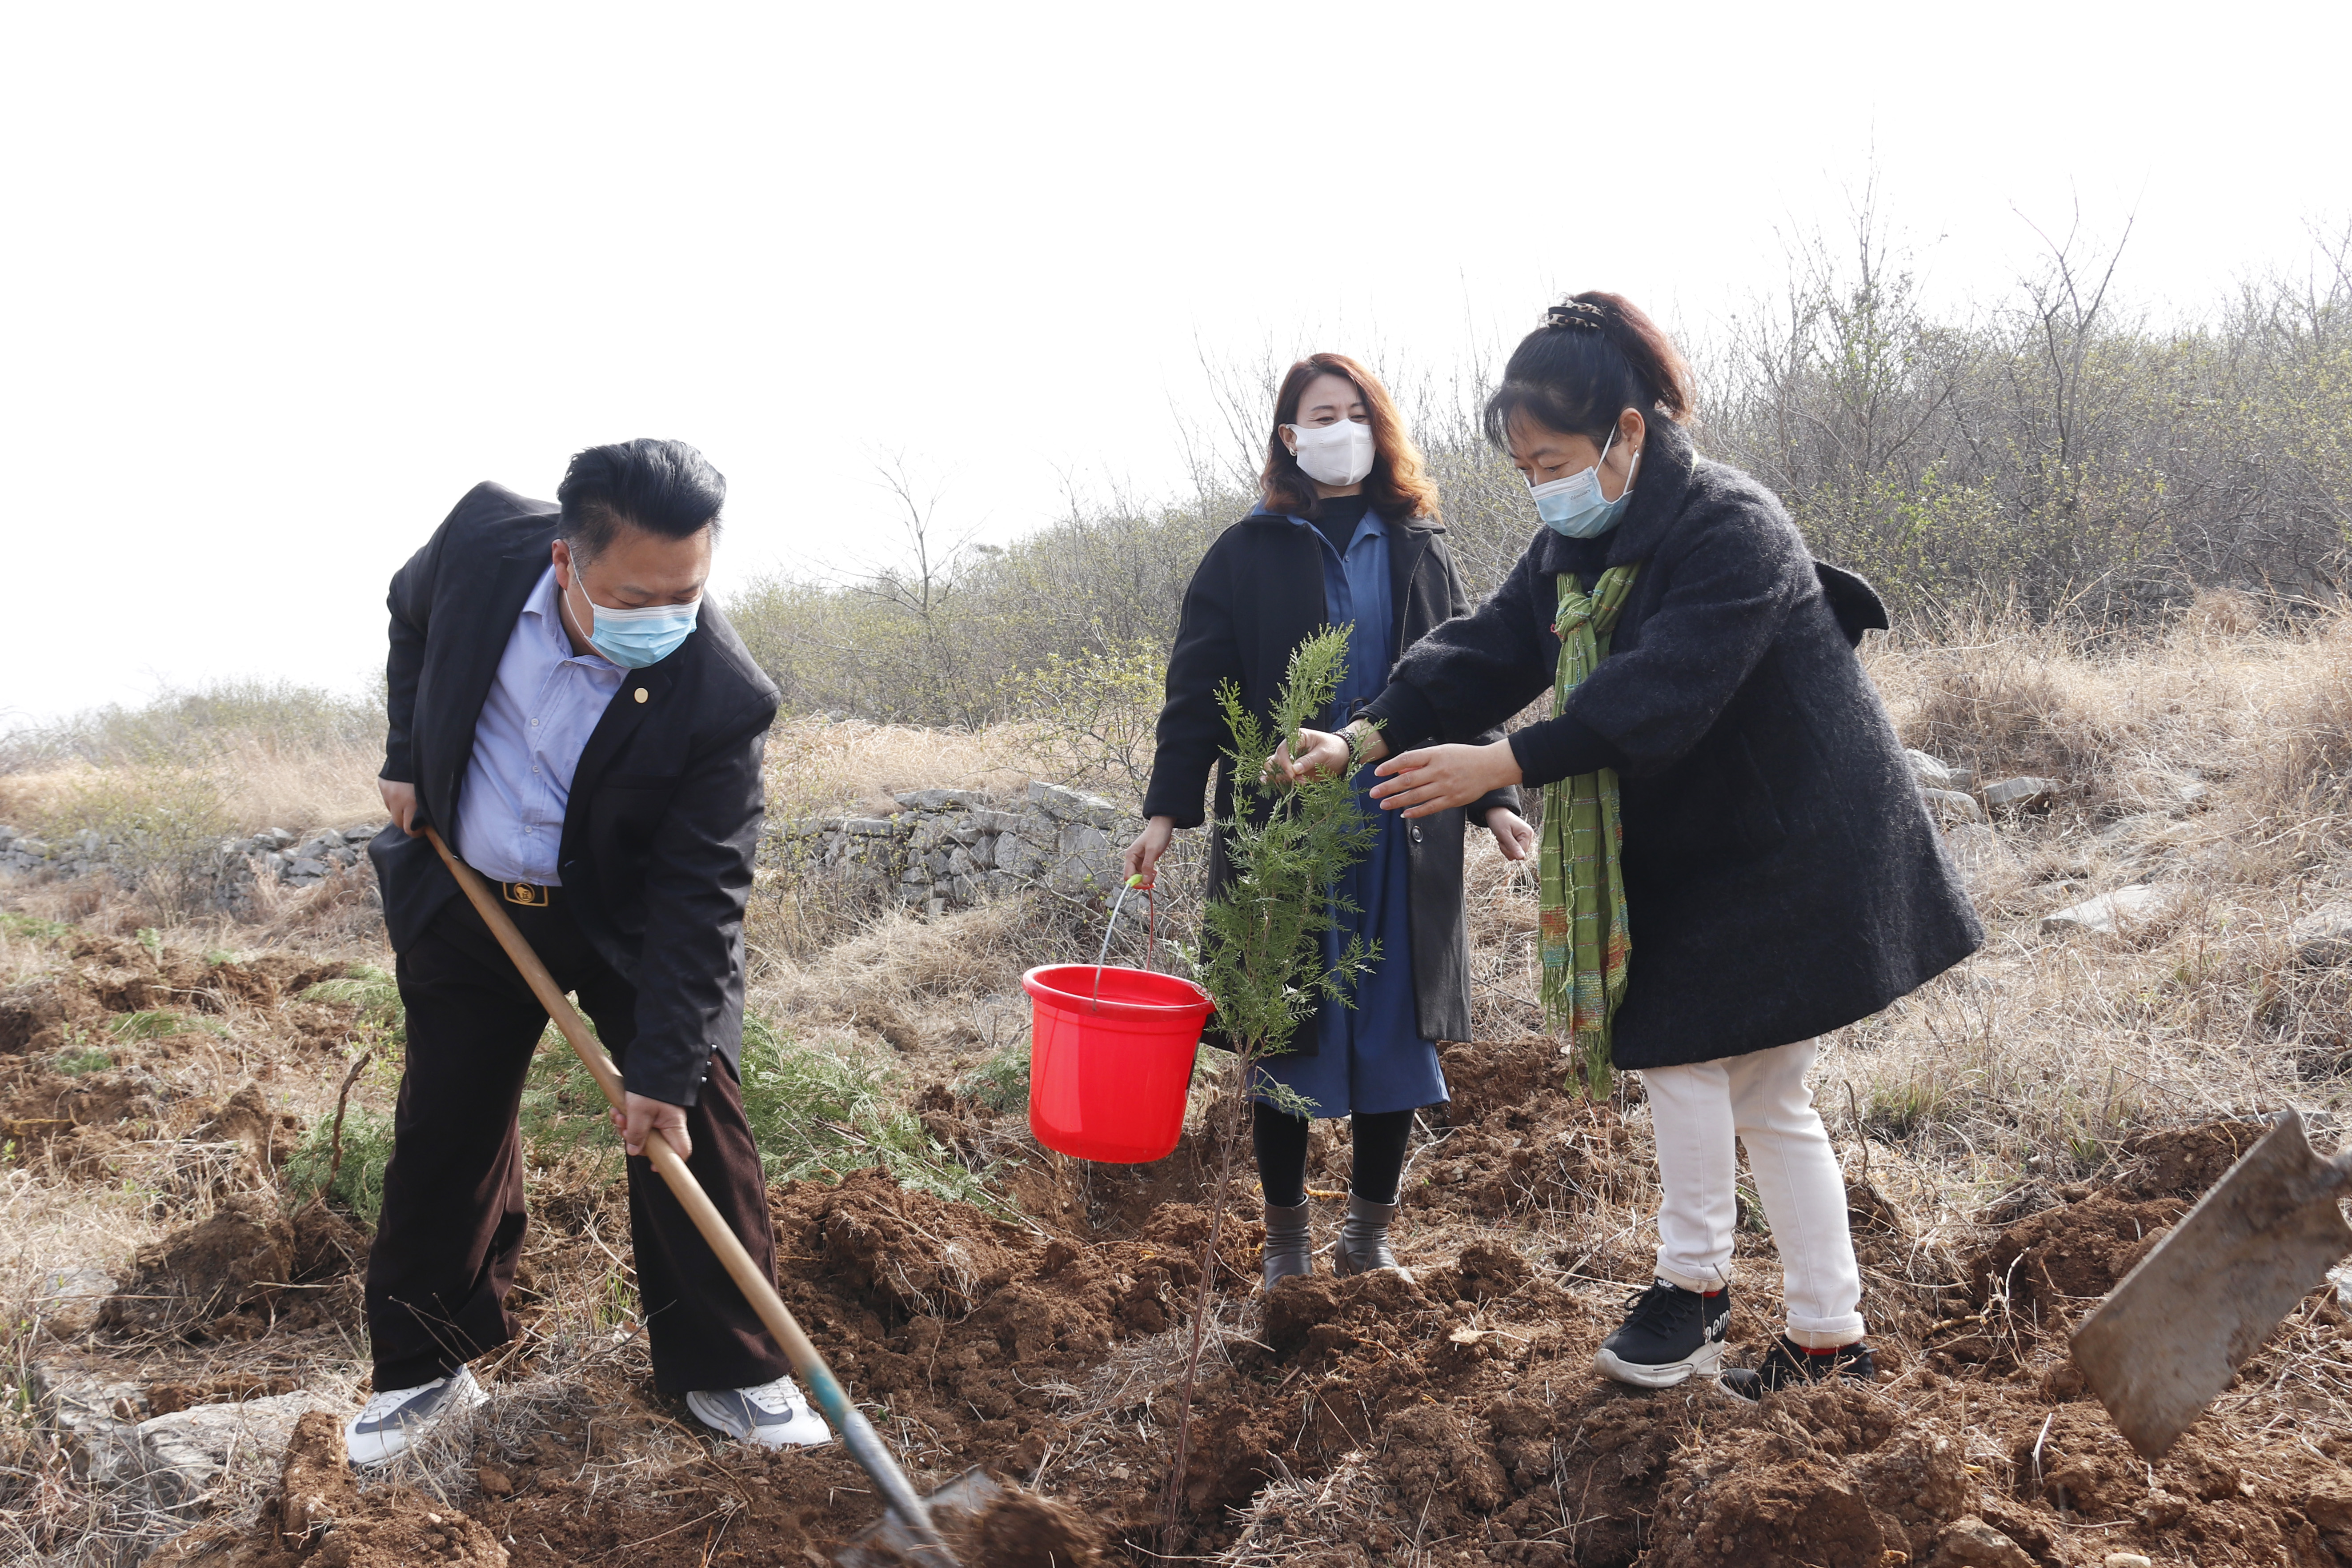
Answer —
1587 944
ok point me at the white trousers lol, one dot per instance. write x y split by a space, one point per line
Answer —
1760 1098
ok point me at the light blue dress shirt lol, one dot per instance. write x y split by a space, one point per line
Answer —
535 724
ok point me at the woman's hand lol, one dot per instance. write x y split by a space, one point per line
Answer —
1433 778
1513 836
1319 754
1149 847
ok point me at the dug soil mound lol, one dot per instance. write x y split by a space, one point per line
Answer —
1448 1416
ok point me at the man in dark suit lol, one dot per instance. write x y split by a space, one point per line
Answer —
585 730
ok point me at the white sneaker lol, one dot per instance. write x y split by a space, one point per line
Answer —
394 1419
773 1414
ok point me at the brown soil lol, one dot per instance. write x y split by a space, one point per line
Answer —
1451 1416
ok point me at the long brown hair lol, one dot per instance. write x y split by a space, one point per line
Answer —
1397 486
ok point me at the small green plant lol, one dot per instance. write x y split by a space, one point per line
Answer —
153 941
33 930
146 1026
357 1182
1001 1083
563 1114
616 1305
374 993
820 1114
83 1060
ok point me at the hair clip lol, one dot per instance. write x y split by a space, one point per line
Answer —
1574 313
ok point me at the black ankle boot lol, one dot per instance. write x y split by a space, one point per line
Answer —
1788 1364
1668 1335
1290 1244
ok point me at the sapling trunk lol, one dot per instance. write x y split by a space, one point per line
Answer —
1260 957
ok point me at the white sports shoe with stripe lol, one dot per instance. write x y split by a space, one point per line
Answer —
394 1419
774 1415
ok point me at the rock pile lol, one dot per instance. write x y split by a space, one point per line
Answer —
227 868
951 848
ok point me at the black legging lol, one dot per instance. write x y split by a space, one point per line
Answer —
1281 1142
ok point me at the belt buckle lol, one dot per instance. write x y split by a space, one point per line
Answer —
529 895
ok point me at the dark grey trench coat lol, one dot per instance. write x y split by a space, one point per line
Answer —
1782 878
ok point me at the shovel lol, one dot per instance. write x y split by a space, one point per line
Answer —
907 1529
2167 1343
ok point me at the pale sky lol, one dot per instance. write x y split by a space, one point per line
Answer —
281 282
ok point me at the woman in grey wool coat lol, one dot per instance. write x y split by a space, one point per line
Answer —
1735 857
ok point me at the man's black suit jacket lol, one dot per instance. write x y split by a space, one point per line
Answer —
666 803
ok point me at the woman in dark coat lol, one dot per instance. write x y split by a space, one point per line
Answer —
1736 857
1347 534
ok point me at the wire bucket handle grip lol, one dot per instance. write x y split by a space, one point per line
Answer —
1150 931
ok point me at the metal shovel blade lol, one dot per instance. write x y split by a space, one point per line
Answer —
886 1542
2168 1340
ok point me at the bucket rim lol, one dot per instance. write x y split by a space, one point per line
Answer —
1082 1001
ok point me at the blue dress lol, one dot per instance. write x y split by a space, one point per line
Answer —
1370 1057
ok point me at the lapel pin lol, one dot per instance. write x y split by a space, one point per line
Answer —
641 694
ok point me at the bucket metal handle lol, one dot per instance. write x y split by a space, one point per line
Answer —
1150 932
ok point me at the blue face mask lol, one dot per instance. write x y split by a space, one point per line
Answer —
1572 506
635 639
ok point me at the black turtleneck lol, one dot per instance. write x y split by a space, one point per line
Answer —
1337 518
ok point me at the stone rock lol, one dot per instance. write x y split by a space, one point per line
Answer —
1087 862
935 907
1970 1542
941 799
2126 1560
1072 805
869 826
67 1302
95 1413
963 889
274 838
183 1455
2322 938
965 832
2017 794
2110 912
1018 857
1931 772
959 862
983 852
989 820
1951 806
931 832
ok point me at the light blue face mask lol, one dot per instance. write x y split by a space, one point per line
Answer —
1572 506
635 639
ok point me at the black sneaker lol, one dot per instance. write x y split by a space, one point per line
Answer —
1668 1334
1788 1364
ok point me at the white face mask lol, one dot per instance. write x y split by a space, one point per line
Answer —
1339 454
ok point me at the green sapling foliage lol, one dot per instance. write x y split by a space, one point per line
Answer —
1260 957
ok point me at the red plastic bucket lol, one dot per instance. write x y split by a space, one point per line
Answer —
1108 1077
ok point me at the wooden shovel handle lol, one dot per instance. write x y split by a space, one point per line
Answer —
864 1443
